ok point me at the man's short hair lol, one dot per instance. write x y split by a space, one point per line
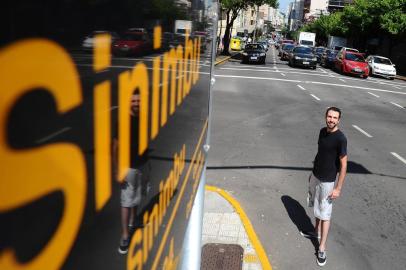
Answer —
335 109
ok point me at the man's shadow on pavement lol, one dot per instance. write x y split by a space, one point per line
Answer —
299 217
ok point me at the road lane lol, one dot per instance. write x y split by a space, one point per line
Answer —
264 137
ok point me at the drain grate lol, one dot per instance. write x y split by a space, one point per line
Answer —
222 257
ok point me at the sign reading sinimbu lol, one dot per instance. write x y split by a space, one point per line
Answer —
40 63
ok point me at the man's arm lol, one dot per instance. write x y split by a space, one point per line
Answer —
341 176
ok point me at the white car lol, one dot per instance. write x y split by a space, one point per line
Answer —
381 66
88 41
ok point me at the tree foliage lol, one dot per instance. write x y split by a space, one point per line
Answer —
232 8
363 19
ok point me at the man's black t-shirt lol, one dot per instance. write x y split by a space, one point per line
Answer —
332 146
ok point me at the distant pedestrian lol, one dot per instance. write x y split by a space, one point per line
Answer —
331 159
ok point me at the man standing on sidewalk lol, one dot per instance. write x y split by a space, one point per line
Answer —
331 159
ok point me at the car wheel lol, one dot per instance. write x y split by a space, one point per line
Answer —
364 77
391 78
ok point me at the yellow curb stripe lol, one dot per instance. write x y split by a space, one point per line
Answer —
247 225
250 258
222 60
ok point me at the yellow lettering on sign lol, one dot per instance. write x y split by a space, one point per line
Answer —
102 48
102 143
26 65
155 97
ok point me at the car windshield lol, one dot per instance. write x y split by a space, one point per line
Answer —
385 61
305 50
253 47
132 37
354 57
288 47
306 42
332 54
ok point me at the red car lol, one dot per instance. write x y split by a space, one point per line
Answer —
133 43
354 63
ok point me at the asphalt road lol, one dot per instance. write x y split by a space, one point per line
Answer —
265 123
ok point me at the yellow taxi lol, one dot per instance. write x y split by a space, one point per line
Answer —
236 44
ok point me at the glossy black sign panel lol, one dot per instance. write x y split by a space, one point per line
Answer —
103 118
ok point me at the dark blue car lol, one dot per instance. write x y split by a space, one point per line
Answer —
327 59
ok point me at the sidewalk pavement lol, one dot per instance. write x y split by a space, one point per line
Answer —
225 222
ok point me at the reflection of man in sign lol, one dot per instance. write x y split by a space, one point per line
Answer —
331 158
134 183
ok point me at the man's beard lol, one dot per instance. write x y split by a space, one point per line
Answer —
331 125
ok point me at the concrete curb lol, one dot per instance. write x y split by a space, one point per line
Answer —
400 78
266 265
222 60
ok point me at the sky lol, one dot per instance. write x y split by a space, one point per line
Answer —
283 4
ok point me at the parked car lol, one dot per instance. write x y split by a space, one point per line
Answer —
133 43
286 49
348 62
254 52
271 42
88 41
264 44
328 57
283 41
318 51
282 48
346 49
236 44
381 66
302 56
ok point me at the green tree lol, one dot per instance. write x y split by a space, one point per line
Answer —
362 20
232 9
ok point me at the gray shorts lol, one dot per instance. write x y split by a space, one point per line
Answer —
131 189
318 197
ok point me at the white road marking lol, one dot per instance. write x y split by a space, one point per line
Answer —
265 69
301 87
362 131
373 94
398 157
342 80
283 74
397 105
397 87
256 78
315 97
47 138
313 82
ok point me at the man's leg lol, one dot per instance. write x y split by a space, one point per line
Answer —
325 226
125 218
317 228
